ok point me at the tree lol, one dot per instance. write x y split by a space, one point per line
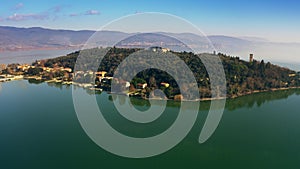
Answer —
137 80
34 71
268 65
152 82
131 88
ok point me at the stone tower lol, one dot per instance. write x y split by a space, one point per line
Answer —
251 58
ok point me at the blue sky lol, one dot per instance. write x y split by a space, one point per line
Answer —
274 20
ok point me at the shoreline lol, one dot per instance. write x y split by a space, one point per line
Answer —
262 91
90 87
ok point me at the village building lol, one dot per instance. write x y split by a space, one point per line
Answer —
141 85
159 49
165 84
101 74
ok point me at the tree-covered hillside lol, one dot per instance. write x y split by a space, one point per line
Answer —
242 77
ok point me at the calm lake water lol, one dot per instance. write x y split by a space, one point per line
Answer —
30 56
39 129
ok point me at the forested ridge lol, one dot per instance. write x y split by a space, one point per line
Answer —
242 77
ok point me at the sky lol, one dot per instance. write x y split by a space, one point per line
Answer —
277 21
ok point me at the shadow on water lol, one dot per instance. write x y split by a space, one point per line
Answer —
258 99
249 101
34 81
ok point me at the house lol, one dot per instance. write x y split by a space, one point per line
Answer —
165 84
79 72
165 50
127 84
47 69
101 74
2 67
141 85
23 67
89 72
155 48
159 49
178 97
124 85
68 70
12 68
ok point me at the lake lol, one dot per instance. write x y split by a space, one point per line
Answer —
30 56
39 129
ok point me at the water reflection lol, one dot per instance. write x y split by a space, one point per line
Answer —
34 81
248 101
258 99
57 85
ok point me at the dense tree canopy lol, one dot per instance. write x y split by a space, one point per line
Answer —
242 77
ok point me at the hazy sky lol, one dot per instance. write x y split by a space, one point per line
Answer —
274 20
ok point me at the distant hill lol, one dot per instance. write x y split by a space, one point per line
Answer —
13 39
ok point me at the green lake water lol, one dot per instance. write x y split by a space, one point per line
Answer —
39 129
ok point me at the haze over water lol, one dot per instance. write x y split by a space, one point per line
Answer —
30 56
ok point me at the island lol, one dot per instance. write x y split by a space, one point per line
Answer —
242 77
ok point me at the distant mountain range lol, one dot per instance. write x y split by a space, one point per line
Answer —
15 39
12 39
